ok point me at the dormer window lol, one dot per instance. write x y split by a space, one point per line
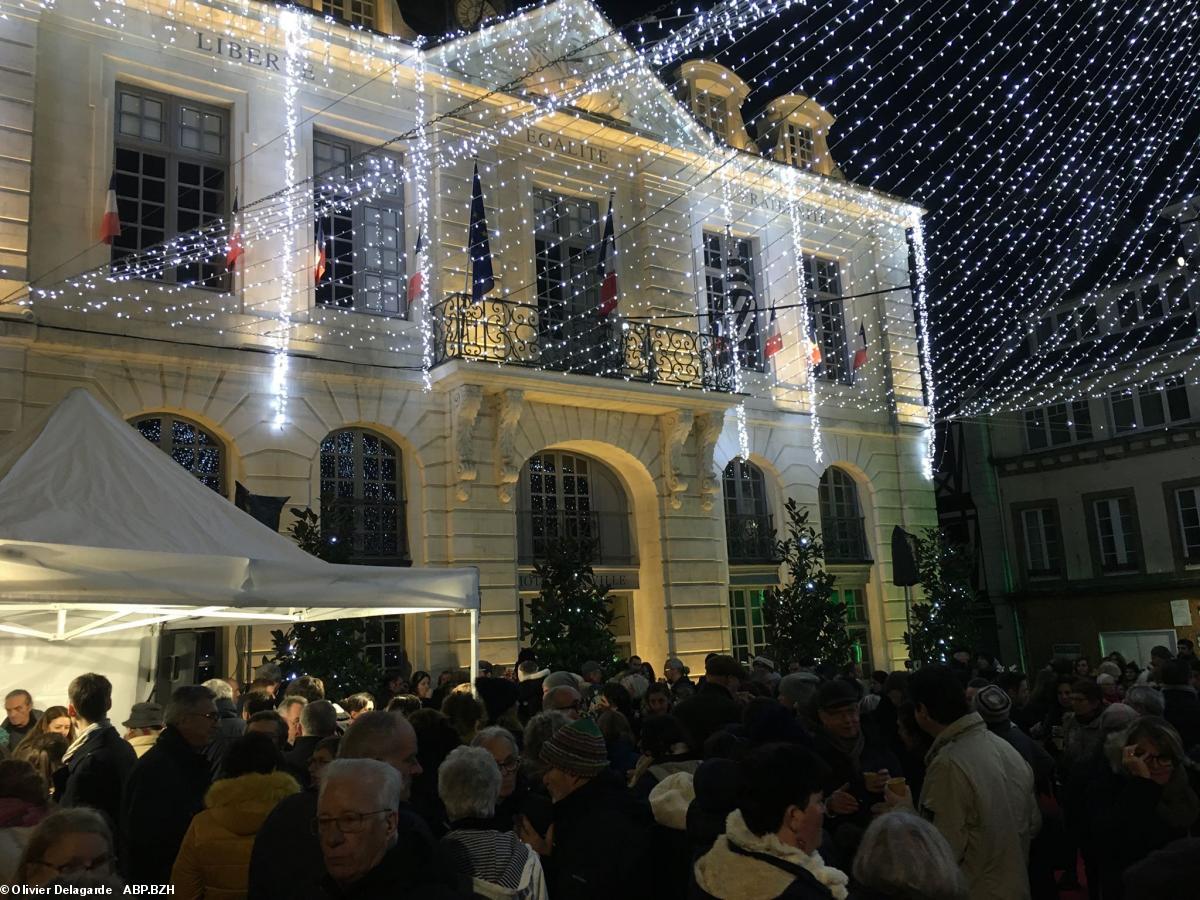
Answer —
800 145
796 132
715 96
712 112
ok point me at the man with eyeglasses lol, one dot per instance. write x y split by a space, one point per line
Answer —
565 700
356 823
167 786
99 761
287 857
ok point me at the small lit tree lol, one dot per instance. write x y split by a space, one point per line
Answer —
803 620
945 618
335 650
570 617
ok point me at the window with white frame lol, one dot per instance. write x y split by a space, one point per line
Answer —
828 316
1151 405
712 111
747 621
858 627
365 260
730 278
1152 301
1039 532
1115 534
749 535
1066 327
800 144
1058 424
384 643
1187 512
353 12
188 444
171 163
362 496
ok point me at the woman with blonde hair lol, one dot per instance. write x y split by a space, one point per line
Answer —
903 857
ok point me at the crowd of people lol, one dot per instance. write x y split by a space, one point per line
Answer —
943 783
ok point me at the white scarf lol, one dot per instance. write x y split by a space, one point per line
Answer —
83 736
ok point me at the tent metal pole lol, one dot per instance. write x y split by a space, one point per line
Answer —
474 645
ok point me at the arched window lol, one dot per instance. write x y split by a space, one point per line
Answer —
749 534
362 496
842 529
566 495
188 444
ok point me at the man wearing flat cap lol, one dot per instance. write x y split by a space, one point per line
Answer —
859 764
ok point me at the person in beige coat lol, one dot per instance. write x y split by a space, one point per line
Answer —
978 791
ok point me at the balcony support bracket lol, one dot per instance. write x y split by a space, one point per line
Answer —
675 428
708 431
509 406
465 401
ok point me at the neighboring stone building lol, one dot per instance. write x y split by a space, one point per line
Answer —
458 432
1086 513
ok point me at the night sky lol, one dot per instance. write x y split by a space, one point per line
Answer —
1041 136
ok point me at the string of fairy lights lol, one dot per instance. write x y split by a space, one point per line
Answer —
1040 112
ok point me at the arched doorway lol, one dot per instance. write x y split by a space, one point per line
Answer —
750 547
847 555
564 494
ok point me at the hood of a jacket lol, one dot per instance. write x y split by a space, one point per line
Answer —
670 799
241 804
728 875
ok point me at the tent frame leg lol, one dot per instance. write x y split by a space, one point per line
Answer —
474 614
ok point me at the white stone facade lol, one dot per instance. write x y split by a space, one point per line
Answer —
464 436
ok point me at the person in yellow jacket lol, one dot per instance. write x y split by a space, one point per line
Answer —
214 860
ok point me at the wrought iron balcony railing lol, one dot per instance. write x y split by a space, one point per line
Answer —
608 534
750 539
503 331
845 540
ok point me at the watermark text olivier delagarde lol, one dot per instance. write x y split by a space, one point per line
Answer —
100 890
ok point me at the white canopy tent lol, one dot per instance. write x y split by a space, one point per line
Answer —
101 532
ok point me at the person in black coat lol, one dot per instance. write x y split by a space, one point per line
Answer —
597 845
318 720
713 705
377 859
98 763
167 787
1147 800
230 724
285 861
858 764
1181 705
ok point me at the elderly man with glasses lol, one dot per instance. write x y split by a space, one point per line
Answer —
168 785
356 823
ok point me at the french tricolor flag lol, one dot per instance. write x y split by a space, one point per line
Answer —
860 355
416 281
235 249
110 225
774 337
607 272
319 258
